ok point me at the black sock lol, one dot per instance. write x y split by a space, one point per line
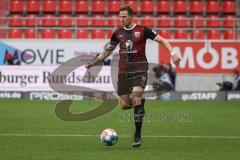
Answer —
138 117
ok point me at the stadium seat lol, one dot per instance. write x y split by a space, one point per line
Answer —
212 6
113 6
98 6
197 21
213 21
82 20
31 20
197 34
196 6
147 20
82 34
16 6
163 6
49 6
33 6
147 6
97 34
49 20
16 20
213 34
65 20
180 34
82 6
47 34
114 21
229 34
164 21
180 21
65 6
133 4
229 21
180 6
229 6
14 33
98 20
65 33
165 34
30 33
110 33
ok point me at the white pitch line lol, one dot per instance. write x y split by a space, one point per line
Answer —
88 135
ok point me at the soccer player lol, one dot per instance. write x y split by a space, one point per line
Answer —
133 66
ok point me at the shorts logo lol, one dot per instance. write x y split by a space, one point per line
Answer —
137 34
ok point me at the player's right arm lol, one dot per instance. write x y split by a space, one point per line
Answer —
108 49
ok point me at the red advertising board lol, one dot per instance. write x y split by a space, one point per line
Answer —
204 57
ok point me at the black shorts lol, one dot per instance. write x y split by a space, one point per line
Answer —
127 81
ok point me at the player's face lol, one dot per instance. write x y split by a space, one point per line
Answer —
126 19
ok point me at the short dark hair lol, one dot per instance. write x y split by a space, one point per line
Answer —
235 72
128 9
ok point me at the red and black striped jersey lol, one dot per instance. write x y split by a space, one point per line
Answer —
132 43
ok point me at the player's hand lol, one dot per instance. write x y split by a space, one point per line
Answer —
176 59
88 65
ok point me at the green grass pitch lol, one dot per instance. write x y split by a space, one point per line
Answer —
174 130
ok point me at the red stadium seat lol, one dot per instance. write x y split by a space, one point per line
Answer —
180 21
49 6
33 6
65 33
98 6
163 6
98 20
213 21
110 33
229 6
197 21
196 6
49 20
212 6
114 21
229 34
65 6
82 34
65 20
16 6
16 20
197 34
133 4
164 21
14 33
30 33
82 6
31 20
229 21
98 34
82 20
147 20
179 6
180 34
165 34
48 33
213 34
147 6
113 6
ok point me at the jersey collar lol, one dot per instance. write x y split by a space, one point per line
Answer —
130 28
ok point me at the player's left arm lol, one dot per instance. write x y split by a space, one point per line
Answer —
176 59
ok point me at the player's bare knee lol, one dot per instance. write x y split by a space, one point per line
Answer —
123 105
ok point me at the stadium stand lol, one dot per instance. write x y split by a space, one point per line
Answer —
191 19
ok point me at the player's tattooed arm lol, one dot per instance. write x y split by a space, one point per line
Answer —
108 49
176 59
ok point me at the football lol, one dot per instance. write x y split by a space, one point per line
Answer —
109 137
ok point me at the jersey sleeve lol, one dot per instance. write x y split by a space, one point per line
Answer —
114 41
149 33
